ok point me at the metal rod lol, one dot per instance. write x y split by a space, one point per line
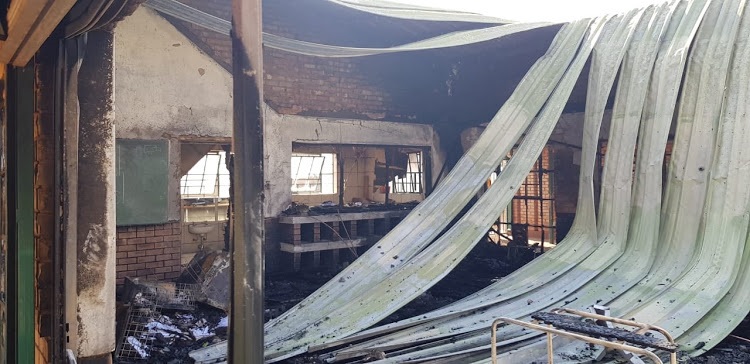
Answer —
550 348
739 338
540 186
246 323
493 347
552 195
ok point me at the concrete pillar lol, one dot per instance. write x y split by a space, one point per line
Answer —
247 249
96 228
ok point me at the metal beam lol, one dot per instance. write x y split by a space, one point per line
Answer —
246 329
22 280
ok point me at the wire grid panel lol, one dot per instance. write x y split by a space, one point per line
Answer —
194 271
135 345
183 296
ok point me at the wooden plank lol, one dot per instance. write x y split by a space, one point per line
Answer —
55 12
30 23
323 245
22 15
346 216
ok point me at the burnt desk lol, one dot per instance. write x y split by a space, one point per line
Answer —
333 232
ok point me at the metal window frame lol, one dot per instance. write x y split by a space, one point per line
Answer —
334 171
215 196
411 184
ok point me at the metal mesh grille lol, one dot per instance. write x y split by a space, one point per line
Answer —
135 345
182 297
136 342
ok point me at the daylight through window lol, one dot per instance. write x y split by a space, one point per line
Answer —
208 178
412 180
205 189
313 174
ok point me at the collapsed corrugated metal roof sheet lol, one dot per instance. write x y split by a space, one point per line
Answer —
414 12
679 262
454 39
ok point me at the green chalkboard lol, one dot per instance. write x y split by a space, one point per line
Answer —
142 178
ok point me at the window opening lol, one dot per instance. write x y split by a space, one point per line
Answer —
411 182
205 189
529 220
314 174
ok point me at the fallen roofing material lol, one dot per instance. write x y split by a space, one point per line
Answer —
414 12
368 281
702 223
454 39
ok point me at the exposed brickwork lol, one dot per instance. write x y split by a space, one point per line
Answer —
151 251
527 207
298 84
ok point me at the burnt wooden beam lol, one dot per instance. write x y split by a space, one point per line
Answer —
577 325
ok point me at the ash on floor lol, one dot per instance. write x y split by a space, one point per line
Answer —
729 351
171 335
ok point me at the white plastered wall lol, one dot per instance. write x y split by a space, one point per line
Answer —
167 88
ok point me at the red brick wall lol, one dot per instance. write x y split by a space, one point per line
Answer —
151 251
294 83
298 84
536 212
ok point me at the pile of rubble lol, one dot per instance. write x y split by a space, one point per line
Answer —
163 322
